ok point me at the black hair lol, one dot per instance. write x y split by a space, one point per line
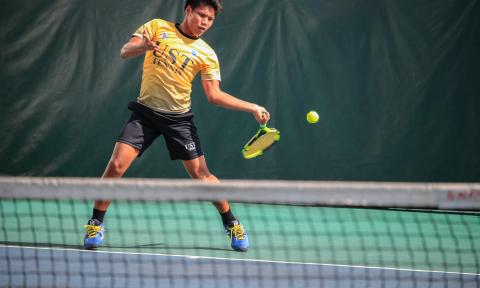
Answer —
215 4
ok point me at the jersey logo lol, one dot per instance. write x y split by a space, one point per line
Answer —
163 35
194 52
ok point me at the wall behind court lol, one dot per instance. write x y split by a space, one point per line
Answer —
395 82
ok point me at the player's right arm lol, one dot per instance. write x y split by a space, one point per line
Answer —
216 96
138 46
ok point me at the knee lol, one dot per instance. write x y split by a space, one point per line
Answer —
197 169
116 167
201 174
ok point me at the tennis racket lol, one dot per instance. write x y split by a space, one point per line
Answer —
263 139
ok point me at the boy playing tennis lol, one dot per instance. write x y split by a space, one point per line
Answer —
174 53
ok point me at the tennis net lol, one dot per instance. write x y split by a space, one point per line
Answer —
166 233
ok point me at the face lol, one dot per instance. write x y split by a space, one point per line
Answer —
199 20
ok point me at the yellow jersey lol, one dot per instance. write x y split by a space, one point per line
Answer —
168 74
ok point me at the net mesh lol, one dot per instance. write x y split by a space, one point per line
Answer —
167 234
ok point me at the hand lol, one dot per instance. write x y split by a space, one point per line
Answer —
148 44
261 115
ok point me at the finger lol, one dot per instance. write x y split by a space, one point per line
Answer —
265 115
263 119
259 119
145 33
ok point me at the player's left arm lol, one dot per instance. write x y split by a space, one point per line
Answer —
216 96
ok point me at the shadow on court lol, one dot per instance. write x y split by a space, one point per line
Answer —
41 245
163 246
150 247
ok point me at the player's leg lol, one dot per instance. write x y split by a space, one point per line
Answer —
197 169
122 156
184 143
137 135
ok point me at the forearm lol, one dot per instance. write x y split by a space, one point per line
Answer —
216 96
228 101
131 50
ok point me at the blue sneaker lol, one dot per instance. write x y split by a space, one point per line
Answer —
94 236
238 236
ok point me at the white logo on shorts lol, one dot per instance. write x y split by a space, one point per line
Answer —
190 146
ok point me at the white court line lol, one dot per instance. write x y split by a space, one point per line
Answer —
240 260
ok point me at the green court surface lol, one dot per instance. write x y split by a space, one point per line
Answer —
300 234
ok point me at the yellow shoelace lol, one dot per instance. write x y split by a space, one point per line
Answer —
238 231
92 230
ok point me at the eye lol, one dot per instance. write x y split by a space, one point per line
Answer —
203 15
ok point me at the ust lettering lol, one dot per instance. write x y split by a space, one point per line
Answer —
170 58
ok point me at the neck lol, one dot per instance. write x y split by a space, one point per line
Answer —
184 30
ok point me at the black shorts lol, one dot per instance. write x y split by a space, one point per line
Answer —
179 131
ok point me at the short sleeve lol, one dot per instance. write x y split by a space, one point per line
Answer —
150 28
211 69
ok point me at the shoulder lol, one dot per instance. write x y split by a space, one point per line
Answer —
204 44
162 24
205 48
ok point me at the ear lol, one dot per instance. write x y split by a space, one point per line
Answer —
188 10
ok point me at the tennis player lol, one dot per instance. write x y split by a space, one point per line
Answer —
174 54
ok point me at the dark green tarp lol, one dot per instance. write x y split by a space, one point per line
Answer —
396 83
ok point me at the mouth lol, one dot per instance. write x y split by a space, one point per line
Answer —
202 28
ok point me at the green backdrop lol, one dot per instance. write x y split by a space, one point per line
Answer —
396 84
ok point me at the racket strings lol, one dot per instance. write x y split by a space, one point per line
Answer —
260 143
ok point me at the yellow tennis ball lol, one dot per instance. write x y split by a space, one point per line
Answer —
312 117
